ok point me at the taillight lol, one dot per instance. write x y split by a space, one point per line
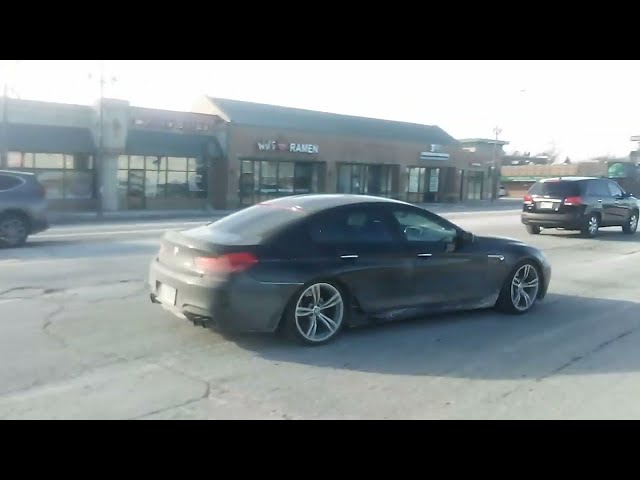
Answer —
528 200
42 191
229 263
575 201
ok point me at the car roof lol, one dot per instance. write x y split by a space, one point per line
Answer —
18 173
567 179
315 202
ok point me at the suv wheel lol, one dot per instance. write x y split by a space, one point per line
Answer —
631 224
14 230
533 229
591 225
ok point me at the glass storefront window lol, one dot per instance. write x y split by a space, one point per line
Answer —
262 180
366 179
423 184
163 177
65 175
286 177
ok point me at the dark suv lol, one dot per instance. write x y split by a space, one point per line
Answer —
579 203
23 207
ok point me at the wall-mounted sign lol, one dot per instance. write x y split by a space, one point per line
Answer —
273 145
173 121
434 152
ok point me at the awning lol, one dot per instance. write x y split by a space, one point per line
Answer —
171 144
49 139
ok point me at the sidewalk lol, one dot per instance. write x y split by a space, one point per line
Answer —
68 218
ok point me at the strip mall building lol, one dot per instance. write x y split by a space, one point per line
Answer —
227 154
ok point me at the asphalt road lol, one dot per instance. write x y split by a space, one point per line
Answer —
79 339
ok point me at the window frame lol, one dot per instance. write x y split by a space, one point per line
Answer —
430 216
610 185
394 242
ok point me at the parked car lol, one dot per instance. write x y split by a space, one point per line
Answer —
23 207
579 203
310 265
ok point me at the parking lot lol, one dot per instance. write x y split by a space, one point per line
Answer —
80 339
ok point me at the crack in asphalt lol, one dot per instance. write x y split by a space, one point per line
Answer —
574 360
48 320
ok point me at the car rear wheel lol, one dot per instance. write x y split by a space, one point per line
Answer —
591 225
533 229
316 314
631 224
520 290
14 231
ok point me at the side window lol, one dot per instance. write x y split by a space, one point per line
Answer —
600 189
614 190
7 182
363 226
418 227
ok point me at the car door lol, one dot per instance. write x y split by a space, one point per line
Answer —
358 245
445 270
620 205
603 202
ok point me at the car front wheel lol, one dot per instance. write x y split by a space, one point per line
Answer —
520 290
632 223
317 313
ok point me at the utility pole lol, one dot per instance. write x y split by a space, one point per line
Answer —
494 183
99 164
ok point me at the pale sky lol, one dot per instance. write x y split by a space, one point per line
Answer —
588 108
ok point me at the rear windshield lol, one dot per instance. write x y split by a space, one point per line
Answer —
556 189
257 221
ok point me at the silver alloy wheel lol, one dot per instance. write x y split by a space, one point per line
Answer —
524 287
593 225
12 231
319 312
633 222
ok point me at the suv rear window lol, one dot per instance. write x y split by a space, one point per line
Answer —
556 189
7 182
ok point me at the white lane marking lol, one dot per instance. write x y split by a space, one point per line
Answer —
93 234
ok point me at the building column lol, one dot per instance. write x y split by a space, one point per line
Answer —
108 182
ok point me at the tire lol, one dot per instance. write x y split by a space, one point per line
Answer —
308 307
508 300
533 229
14 230
631 225
591 225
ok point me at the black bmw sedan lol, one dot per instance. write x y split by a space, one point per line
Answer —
311 265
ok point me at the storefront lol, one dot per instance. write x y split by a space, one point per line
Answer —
274 151
262 180
366 179
62 158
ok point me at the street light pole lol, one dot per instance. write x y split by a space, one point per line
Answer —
494 184
99 163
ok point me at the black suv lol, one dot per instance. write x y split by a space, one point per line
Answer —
579 203
23 207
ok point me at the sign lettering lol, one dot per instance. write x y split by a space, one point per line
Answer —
275 146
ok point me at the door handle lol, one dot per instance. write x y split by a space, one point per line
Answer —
346 257
425 255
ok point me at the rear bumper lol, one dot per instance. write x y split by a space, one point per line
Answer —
239 304
571 221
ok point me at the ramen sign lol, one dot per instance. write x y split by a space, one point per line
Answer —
275 146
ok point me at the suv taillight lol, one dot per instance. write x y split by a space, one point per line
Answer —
229 263
528 200
42 191
574 201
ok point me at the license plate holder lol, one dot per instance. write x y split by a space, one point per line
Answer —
167 294
546 205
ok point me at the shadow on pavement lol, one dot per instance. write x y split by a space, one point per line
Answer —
611 234
560 336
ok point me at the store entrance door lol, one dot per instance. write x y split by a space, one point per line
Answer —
135 190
